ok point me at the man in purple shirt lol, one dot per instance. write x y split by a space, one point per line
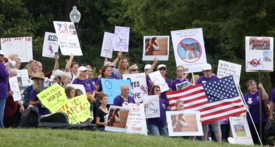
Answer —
4 75
181 78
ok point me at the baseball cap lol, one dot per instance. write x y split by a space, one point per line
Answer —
2 53
147 66
82 68
161 65
207 67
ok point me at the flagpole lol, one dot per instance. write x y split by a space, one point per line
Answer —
260 106
250 115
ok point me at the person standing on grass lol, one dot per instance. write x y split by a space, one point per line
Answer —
124 97
102 112
181 77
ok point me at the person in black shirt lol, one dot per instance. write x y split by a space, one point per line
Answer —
102 112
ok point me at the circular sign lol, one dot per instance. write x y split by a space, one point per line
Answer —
189 50
108 84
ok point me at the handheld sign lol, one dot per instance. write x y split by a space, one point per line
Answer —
227 68
152 109
15 88
117 119
50 45
157 78
121 39
107 45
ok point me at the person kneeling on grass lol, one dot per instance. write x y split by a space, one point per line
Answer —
102 112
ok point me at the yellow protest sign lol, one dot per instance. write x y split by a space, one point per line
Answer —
53 97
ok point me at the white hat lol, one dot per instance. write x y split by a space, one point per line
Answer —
207 67
161 65
82 68
147 66
2 53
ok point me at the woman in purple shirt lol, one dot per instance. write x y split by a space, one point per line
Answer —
82 78
252 101
181 78
124 97
106 73
156 126
4 75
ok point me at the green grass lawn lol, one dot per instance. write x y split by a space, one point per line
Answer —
241 134
52 138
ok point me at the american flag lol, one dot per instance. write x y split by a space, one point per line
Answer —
215 100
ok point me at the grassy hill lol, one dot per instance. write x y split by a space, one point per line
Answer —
45 137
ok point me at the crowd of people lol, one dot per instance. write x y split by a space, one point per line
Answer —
75 74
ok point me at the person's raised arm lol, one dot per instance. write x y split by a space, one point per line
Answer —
151 69
119 54
56 64
264 94
68 65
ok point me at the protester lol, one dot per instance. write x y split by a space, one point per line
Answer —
56 66
181 78
162 69
32 67
72 67
113 70
252 101
4 76
123 66
156 126
82 78
37 78
195 79
207 77
66 79
78 92
90 72
102 112
271 104
57 75
134 69
147 67
70 92
124 97
18 64
12 108
14 57
106 73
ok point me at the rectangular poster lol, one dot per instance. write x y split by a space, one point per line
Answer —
157 78
22 46
112 88
22 88
67 38
78 86
240 130
184 123
155 46
121 39
15 88
50 45
107 45
136 123
117 119
152 110
189 49
23 73
259 54
227 68
183 84
138 84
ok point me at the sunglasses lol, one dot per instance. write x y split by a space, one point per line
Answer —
162 68
157 90
135 69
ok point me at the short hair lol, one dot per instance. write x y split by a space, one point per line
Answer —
181 67
66 75
11 56
132 67
178 102
124 86
108 62
152 89
100 97
77 92
13 69
58 73
68 90
250 81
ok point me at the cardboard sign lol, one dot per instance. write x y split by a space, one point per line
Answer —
112 88
107 45
157 78
136 123
21 46
189 49
155 46
67 38
138 84
121 39
240 130
117 119
152 109
15 88
227 69
259 54
50 45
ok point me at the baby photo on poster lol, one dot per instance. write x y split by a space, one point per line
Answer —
155 46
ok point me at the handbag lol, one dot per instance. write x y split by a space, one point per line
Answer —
266 108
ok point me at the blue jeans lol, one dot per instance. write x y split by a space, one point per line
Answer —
2 108
157 131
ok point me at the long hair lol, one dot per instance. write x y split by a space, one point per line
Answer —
120 67
68 90
30 64
36 85
152 90
104 68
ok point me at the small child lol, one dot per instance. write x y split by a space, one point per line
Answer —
78 92
179 105
70 92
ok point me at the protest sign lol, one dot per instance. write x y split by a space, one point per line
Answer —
155 46
78 86
259 54
183 84
184 123
67 38
21 88
152 109
136 122
107 45
50 45
157 78
121 39
227 68
189 49
21 46
14 87
23 73
112 88
240 130
138 84
117 119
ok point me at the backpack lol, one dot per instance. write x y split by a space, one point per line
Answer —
269 131
29 118
26 94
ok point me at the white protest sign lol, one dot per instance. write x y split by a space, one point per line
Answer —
152 109
50 45
227 68
107 45
259 54
21 46
67 38
183 84
240 130
189 49
23 73
121 39
138 84
78 86
157 78
15 88
136 122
